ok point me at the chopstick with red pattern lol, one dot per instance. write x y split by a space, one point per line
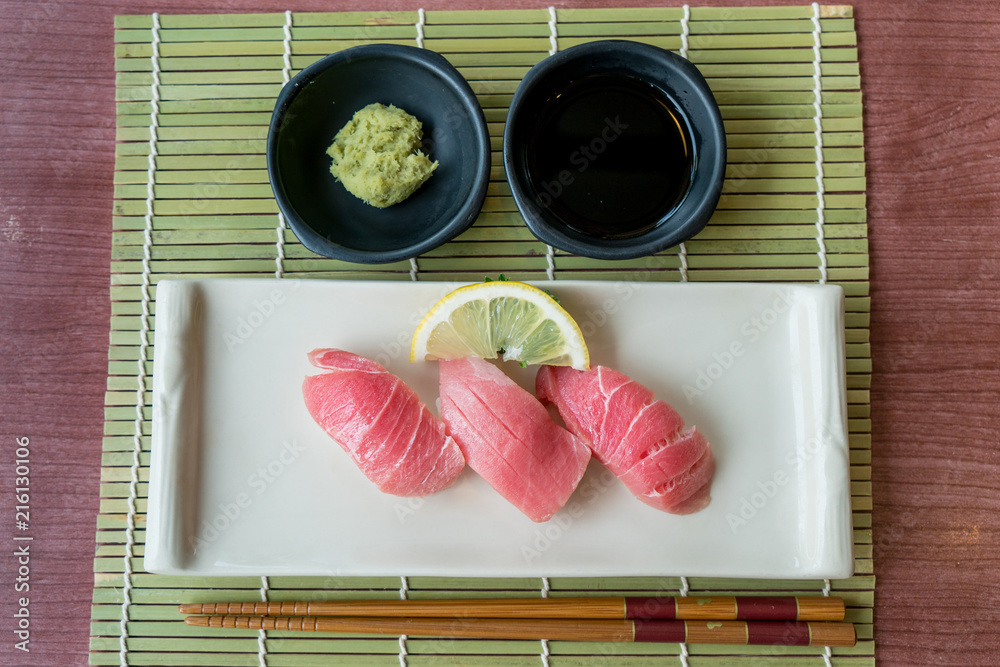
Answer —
714 608
767 633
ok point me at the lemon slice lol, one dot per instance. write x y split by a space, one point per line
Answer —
520 322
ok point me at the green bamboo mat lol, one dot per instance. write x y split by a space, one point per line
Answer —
212 215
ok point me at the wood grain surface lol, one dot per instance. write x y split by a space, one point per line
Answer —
932 119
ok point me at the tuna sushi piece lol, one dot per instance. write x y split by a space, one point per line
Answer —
508 437
377 419
640 439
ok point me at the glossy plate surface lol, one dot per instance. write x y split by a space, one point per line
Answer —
243 482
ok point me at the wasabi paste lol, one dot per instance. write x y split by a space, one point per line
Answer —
377 155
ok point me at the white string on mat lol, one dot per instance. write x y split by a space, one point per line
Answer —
682 252
404 587
818 113
685 589
550 252
286 74
279 258
553 32
140 392
421 22
685 30
265 586
286 59
279 272
414 267
546 587
828 653
550 261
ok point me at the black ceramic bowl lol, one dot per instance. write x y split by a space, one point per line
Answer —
619 166
322 98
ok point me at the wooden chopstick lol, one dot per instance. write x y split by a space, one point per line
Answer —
769 633
749 608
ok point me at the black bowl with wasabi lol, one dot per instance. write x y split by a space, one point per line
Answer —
401 206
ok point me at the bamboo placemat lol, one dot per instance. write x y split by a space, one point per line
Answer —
793 209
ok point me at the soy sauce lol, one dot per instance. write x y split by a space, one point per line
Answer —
610 156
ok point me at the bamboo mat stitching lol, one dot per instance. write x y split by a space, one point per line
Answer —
279 271
286 74
140 401
265 586
820 238
682 255
550 252
404 587
682 250
820 188
817 93
685 589
421 21
546 587
827 652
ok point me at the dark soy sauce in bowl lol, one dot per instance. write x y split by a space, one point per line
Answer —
610 156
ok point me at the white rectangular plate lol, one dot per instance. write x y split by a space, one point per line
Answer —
243 482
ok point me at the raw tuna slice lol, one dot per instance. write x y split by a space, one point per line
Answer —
381 423
508 437
639 439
